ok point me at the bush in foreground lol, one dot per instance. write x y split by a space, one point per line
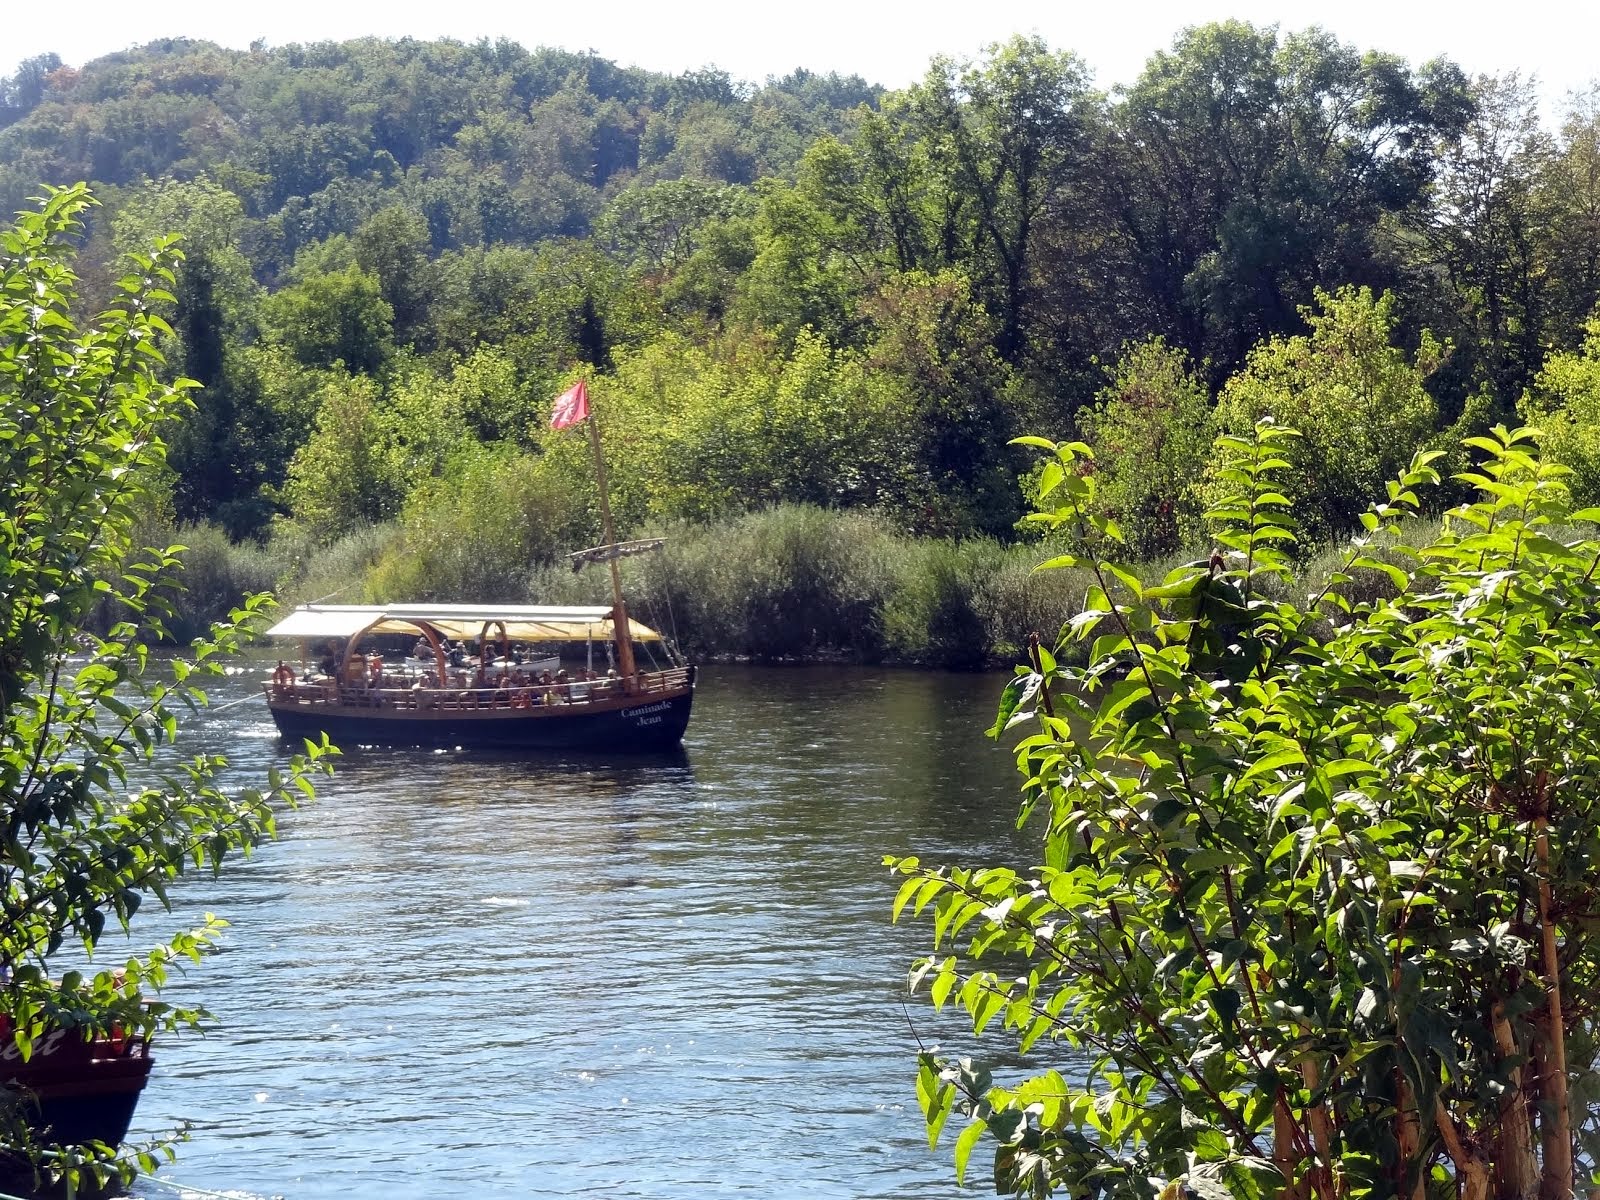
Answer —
90 824
1316 910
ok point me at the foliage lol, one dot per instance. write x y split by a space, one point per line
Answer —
471 534
812 291
1565 403
797 581
1315 906
94 822
336 318
1359 403
1248 168
346 473
1151 436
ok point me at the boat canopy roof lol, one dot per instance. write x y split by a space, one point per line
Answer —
523 622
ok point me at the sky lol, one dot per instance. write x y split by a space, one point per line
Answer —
886 42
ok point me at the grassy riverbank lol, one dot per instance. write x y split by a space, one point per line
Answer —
787 583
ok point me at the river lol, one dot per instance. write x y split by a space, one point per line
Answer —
459 974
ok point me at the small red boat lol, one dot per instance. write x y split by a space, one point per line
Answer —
77 1089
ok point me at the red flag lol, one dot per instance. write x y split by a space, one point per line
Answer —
572 407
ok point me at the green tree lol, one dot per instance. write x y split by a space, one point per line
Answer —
1571 187
1359 403
1564 403
222 454
1314 914
1151 435
1245 168
1488 234
477 531
393 246
935 346
93 825
340 317
347 474
1006 134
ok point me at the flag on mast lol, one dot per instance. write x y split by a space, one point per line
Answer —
572 407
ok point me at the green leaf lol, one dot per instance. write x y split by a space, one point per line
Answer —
1288 756
964 1146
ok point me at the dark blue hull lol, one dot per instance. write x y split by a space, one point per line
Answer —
646 724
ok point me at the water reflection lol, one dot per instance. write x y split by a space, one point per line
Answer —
463 973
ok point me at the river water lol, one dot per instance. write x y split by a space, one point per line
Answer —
459 974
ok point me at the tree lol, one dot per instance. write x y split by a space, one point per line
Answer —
393 246
94 824
1358 402
1151 435
1572 196
1316 914
348 472
339 317
935 347
1244 170
1007 135
1564 403
22 92
221 455
1487 233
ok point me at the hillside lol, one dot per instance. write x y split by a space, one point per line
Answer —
812 290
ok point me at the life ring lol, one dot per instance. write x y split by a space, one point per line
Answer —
284 676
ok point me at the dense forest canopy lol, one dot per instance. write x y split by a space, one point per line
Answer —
814 290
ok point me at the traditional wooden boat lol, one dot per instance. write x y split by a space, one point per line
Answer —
502 703
495 701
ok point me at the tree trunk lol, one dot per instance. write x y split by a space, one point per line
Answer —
1408 1133
1556 1123
1284 1155
1516 1170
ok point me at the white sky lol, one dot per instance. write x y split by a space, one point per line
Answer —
886 42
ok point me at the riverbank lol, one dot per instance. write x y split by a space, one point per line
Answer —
786 584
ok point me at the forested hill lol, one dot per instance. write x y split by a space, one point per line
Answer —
812 290
490 143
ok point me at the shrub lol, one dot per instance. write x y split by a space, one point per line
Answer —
93 828
1316 910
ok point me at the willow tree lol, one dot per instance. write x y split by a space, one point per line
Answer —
1316 911
98 810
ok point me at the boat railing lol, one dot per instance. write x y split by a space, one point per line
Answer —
420 697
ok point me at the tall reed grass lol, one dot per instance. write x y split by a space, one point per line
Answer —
788 583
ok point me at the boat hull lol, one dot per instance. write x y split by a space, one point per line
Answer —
643 724
77 1090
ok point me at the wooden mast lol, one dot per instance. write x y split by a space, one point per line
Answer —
619 611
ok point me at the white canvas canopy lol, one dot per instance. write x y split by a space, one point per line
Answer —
523 622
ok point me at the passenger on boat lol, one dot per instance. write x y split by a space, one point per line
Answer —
422 649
